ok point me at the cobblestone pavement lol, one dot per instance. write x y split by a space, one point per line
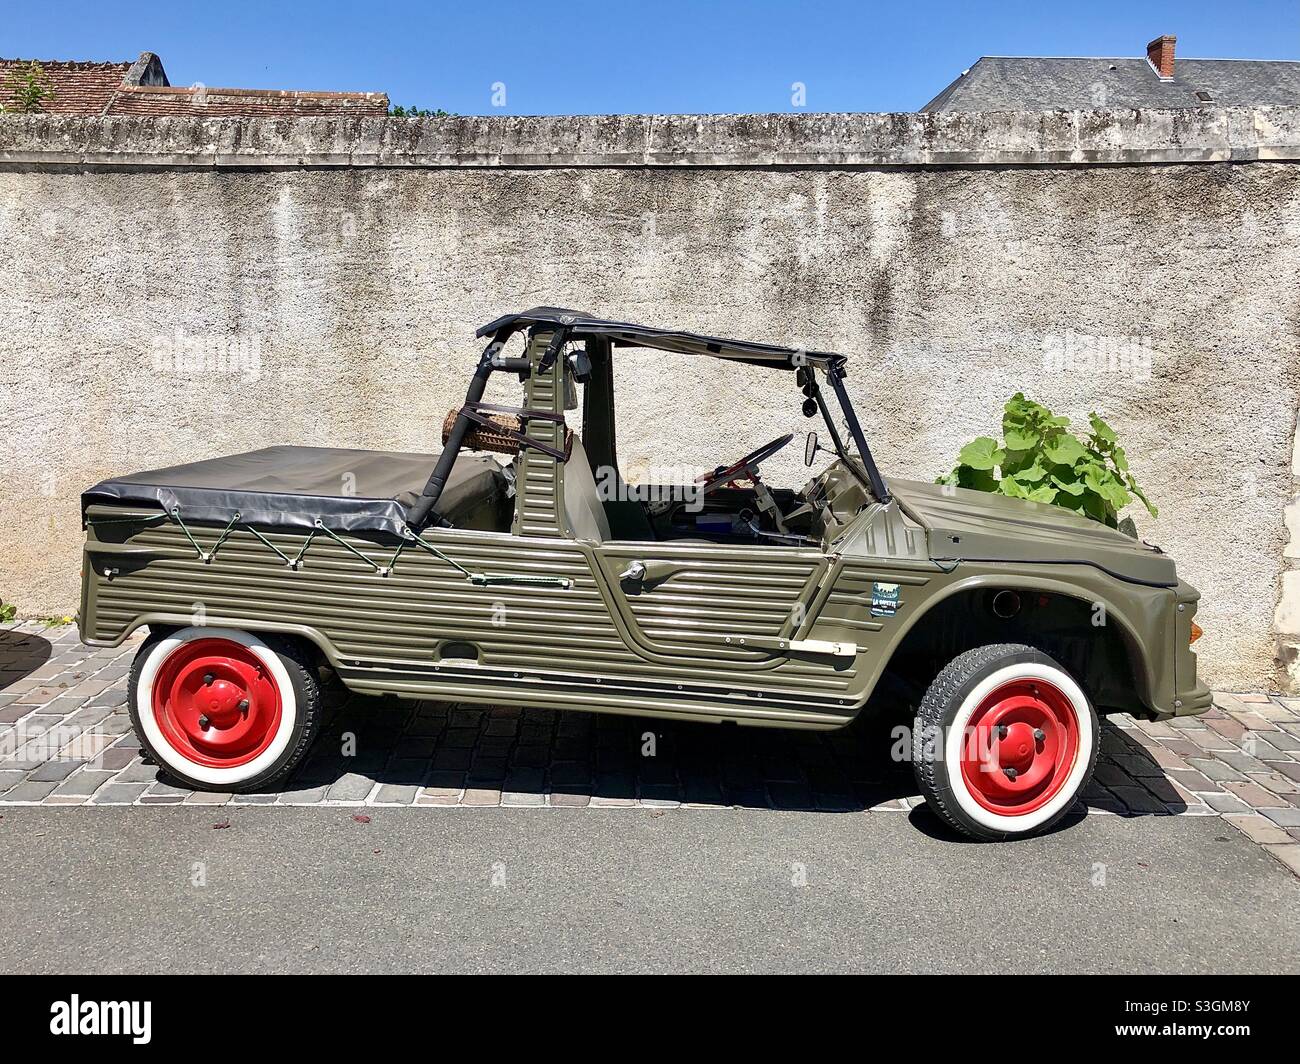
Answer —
66 739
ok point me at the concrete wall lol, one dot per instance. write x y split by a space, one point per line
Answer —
328 276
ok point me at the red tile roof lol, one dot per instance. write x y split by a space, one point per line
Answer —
141 88
79 88
163 100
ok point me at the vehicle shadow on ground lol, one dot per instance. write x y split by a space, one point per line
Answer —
21 654
569 758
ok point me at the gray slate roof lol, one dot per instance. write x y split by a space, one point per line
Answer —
1008 83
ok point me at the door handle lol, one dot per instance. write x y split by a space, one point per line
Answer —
634 572
648 573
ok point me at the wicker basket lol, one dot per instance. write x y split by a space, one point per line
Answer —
483 438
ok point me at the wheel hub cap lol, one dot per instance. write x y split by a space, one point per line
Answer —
221 701
1020 747
216 702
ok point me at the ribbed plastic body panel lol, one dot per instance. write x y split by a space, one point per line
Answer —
398 632
540 477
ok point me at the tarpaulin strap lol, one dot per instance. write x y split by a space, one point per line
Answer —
176 516
401 546
411 537
381 570
222 538
408 536
558 339
486 579
287 560
297 560
204 556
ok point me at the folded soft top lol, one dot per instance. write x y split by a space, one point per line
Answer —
291 487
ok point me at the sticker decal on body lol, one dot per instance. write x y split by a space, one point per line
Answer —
884 599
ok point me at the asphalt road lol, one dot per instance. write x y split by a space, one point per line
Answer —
108 890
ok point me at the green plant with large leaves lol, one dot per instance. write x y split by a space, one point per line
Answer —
1041 460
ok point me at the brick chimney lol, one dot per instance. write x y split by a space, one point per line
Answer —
1160 54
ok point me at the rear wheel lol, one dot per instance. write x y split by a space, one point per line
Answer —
222 709
1004 742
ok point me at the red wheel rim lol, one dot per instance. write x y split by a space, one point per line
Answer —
216 702
1020 747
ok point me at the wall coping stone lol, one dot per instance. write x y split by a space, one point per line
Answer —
1010 138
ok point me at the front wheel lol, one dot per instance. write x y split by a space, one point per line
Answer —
1004 742
222 709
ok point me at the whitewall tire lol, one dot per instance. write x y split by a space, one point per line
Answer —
1005 742
223 709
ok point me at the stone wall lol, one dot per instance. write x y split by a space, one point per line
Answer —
181 288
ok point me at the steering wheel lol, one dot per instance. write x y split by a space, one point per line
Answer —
724 475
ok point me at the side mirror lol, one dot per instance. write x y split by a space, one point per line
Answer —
810 449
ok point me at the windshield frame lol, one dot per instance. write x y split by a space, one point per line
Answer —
863 465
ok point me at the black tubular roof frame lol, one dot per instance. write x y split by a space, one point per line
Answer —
578 325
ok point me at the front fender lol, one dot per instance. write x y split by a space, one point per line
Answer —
1141 615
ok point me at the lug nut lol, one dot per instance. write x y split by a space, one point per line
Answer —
1039 735
204 723
1011 773
243 707
1002 731
208 678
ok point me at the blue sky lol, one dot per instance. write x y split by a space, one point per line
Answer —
663 56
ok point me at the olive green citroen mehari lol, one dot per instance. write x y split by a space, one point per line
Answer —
546 581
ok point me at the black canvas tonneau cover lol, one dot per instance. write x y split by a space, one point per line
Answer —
290 487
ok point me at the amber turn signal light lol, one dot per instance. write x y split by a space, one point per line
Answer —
1197 632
